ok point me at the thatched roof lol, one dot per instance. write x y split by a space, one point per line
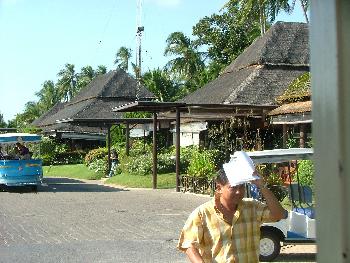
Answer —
263 71
95 101
298 90
291 108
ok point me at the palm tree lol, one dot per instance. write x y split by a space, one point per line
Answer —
31 112
67 82
305 4
48 96
101 70
122 58
87 72
85 77
160 84
263 11
188 60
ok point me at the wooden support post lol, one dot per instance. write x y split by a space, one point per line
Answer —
109 146
154 150
127 144
284 135
302 136
177 167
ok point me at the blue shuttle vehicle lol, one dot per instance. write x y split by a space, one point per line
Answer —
15 171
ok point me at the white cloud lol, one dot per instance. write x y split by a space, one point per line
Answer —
165 3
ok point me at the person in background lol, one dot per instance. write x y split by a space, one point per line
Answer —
22 151
114 163
227 228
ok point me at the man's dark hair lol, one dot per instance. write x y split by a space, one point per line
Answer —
221 178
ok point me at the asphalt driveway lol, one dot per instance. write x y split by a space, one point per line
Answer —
71 220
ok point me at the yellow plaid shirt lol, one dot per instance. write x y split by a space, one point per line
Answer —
217 240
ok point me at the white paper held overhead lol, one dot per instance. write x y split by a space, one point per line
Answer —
240 169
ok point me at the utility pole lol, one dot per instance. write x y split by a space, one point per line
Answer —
139 31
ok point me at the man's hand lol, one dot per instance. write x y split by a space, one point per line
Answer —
193 255
277 211
258 182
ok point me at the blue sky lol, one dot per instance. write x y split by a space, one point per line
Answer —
39 37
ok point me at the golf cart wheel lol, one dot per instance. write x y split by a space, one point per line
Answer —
270 245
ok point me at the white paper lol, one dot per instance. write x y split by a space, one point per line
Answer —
240 169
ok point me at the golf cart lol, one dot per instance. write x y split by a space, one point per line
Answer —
14 170
299 227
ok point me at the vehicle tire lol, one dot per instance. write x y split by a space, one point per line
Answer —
270 245
34 188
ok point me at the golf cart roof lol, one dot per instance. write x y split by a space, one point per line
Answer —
281 155
9 138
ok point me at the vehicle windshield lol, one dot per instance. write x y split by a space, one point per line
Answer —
19 146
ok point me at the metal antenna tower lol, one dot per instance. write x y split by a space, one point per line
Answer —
139 31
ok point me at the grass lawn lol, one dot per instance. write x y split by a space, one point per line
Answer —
143 181
77 171
80 171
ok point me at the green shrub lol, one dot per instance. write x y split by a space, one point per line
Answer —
138 147
74 157
99 165
202 165
48 159
95 154
141 165
53 152
165 163
306 172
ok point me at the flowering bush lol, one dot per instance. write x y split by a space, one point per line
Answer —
95 154
141 164
99 165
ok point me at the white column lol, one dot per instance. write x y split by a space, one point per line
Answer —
330 73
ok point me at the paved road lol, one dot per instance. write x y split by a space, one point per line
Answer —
81 221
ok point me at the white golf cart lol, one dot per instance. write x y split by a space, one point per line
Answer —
299 227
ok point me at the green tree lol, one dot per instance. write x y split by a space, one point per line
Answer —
122 58
67 82
85 76
23 120
225 37
188 61
48 96
159 82
264 11
101 70
2 121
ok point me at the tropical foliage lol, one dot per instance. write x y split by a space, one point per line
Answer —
187 61
2 121
224 36
68 84
161 85
122 58
306 173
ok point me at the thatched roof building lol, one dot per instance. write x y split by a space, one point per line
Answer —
95 101
295 103
263 71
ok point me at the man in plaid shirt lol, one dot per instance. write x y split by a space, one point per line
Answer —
227 228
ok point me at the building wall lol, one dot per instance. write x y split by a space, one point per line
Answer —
189 133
